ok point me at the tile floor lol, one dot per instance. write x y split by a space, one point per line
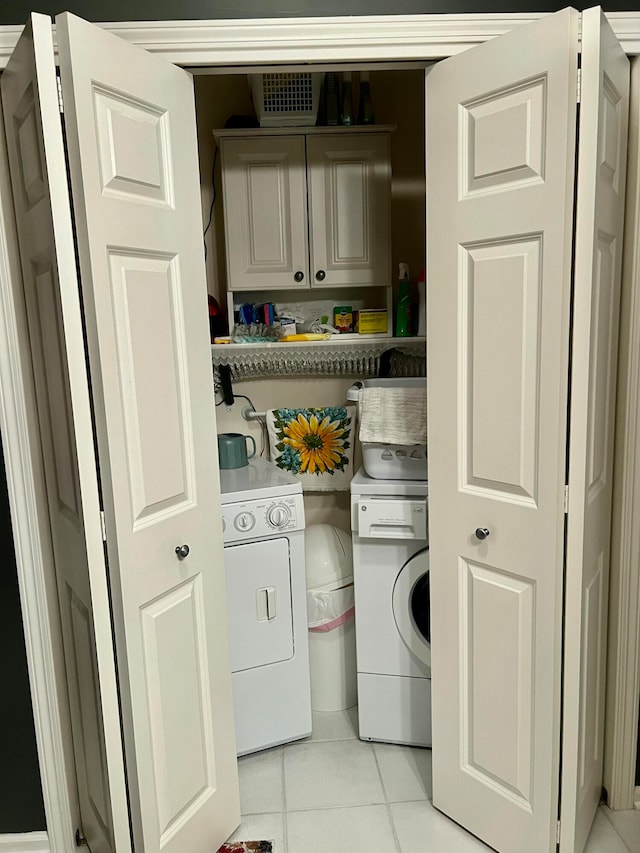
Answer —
333 793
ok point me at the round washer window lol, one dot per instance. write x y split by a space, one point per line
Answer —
411 605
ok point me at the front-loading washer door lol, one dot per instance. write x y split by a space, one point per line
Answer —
412 605
259 603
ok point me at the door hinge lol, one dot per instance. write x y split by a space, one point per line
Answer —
60 100
566 499
558 833
103 525
579 86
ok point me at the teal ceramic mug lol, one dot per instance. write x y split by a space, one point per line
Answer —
232 449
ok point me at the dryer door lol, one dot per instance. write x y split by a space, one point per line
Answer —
259 603
412 606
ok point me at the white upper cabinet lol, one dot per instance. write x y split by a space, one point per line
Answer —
307 210
265 209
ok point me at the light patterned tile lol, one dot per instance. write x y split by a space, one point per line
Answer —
348 830
405 772
419 827
335 773
261 786
627 825
603 837
262 827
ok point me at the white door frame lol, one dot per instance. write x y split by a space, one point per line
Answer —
273 41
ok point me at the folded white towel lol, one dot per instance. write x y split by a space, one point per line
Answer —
393 415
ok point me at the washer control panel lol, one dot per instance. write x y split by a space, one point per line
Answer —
390 518
259 519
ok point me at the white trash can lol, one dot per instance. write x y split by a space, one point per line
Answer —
332 638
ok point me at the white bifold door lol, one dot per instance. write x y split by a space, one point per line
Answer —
522 345
127 437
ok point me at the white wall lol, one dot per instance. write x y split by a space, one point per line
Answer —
320 507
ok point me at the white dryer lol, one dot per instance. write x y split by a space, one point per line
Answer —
263 530
391 584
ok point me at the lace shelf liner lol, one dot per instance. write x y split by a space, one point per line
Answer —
352 356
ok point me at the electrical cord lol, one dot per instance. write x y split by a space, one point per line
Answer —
261 421
213 201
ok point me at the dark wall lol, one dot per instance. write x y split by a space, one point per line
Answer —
16 11
21 806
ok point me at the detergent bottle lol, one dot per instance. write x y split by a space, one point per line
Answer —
403 306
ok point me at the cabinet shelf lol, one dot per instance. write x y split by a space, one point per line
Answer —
321 130
344 355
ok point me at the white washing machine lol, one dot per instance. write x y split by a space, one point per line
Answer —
263 530
391 583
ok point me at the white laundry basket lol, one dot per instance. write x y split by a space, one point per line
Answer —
332 639
392 461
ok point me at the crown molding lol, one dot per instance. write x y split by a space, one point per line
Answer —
333 39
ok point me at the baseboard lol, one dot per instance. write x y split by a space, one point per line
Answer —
25 842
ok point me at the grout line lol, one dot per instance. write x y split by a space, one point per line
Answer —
387 803
285 823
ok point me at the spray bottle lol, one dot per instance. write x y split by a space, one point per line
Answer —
403 307
422 306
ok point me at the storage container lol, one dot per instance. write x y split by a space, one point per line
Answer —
286 99
392 461
372 321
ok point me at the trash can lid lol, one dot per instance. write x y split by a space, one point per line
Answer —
328 557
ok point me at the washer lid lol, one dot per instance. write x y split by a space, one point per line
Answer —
411 605
258 479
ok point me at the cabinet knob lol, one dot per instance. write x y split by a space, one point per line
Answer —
299 275
182 551
321 275
482 533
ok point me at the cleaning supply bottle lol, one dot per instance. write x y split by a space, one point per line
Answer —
403 306
346 114
422 306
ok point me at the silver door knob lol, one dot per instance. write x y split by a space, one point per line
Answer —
182 551
482 532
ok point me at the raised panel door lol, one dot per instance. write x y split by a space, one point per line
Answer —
265 210
43 215
131 137
599 228
349 181
500 178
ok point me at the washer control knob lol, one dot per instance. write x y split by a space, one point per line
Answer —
278 515
244 522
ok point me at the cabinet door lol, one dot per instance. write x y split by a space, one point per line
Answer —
501 124
132 149
349 209
265 211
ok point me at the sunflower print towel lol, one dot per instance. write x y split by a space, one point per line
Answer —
315 444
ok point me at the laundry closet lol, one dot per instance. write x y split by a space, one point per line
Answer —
498 343
398 97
